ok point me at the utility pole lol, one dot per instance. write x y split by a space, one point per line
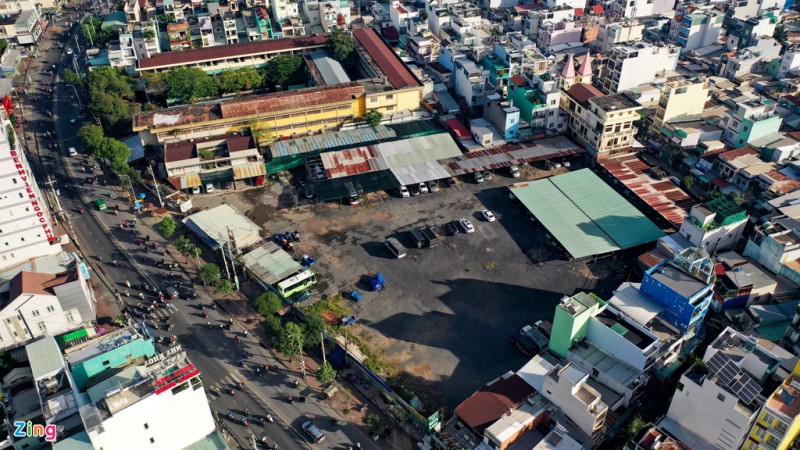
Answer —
56 202
224 261
155 185
231 243
322 341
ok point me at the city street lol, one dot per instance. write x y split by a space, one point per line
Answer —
125 265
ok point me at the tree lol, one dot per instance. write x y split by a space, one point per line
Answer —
313 326
341 45
635 426
110 97
289 340
688 181
194 252
374 117
154 82
736 197
781 35
224 286
372 421
245 79
189 84
267 303
325 373
70 77
181 244
209 273
92 137
167 227
272 325
284 69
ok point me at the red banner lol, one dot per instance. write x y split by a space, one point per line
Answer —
7 104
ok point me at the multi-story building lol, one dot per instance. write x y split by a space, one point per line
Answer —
400 15
225 160
284 9
122 53
681 100
470 82
716 225
717 402
697 30
28 27
612 34
537 99
423 49
329 15
27 226
633 65
790 63
604 124
503 115
752 120
776 247
791 340
43 304
685 296
569 388
552 33
778 423
641 8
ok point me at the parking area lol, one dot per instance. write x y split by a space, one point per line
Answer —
447 314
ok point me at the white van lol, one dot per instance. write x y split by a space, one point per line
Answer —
73 152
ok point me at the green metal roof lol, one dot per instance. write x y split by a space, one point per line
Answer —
727 211
270 263
585 214
44 357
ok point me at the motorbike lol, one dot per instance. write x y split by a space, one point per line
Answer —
230 415
80 209
241 363
231 391
270 419
303 398
218 392
170 327
290 400
244 421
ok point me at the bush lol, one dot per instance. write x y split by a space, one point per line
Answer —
372 421
267 304
326 373
167 227
272 325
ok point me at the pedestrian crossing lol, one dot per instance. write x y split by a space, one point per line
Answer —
224 385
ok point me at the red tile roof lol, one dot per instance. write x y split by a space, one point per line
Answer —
302 98
518 80
231 51
181 151
598 9
578 12
583 92
738 152
490 402
459 128
389 63
35 283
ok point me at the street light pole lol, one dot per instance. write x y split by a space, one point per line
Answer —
155 185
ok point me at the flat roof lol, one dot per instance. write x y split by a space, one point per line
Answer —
585 214
387 60
668 200
332 141
44 357
216 223
614 102
636 305
270 263
194 56
678 280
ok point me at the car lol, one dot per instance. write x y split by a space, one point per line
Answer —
72 120
209 188
171 291
73 152
566 164
524 344
69 51
432 186
414 189
313 431
422 188
430 237
557 165
451 182
196 190
514 171
395 247
466 225
487 175
451 228
417 238
308 191
355 200
488 216
479 177
404 192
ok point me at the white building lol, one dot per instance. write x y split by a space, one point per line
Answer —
790 63
401 14
697 30
571 4
681 100
43 304
637 64
27 227
642 8
716 225
714 406
471 81
284 9
568 388
613 34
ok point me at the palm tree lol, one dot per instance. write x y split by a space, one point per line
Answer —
195 252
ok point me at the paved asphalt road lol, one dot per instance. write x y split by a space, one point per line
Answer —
213 351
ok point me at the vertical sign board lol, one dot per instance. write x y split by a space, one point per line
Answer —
41 216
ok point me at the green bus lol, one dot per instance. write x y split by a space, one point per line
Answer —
296 283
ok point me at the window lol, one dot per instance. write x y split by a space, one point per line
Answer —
35 313
760 432
15 334
50 309
146 426
69 317
679 386
14 180
390 97
768 418
720 397
41 326
773 441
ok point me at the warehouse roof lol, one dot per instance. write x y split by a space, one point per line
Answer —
270 264
214 225
390 64
332 141
44 357
584 214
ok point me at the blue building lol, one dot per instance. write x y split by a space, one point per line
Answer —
685 297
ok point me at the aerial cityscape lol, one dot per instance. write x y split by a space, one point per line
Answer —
400 225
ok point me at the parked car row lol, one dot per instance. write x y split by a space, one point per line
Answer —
414 190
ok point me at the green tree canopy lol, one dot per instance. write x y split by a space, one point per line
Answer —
267 303
224 286
239 80
736 197
325 373
272 325
209 273
194 251
341 45
313 326
781 35
181 244
372 421
189 84
289 340
110 97
285 70
374 117
93 138
70 77
167 227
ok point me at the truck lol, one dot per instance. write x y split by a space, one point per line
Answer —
430 237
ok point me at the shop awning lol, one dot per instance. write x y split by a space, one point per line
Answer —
249 171
73 336
185 181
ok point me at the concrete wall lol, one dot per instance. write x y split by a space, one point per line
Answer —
614 343
714 240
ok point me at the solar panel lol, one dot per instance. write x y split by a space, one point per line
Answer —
723 367
750 390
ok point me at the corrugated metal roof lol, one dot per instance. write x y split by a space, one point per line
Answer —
669 201
584 214
270 264
216 222
44 357
418 173
351 162
512 154
249 170
331 141
418 150
390 64
185 181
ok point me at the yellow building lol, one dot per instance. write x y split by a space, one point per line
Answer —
778 422
272 116
681 100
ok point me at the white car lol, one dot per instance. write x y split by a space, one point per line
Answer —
423 188
404 192
488 215
196 190
466 225
209 188
69 51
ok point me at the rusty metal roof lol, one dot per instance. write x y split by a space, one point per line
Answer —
245 49
349 162
288 100
669 201
512 154
387 60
